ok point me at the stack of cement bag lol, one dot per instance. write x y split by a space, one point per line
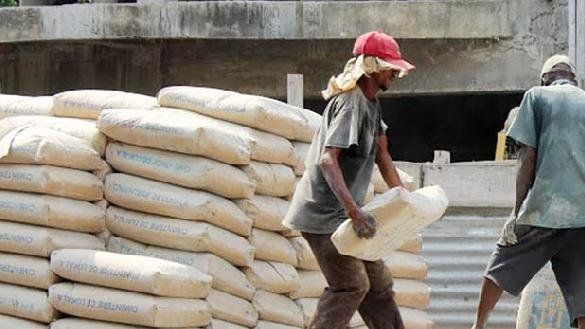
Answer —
47 195
11 105
140 291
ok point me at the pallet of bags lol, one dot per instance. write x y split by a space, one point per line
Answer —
11 105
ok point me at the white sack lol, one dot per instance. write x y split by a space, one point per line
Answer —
301 153
26 271
410 293
277 308
305 256
233 309
380 185
27 303
406 265
413 245
312 284
266 212
273 325
10 322
274 277
271 179
12 105
219 324
272 246
88 104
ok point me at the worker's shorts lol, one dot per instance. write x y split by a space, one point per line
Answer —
512 266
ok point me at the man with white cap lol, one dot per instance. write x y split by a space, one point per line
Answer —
548 222
352 138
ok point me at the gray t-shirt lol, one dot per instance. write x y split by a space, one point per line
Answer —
351 122
552 120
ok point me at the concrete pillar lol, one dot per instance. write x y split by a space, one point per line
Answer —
577 37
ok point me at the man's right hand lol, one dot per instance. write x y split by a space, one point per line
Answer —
364 224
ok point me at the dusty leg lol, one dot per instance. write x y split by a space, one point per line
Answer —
488 298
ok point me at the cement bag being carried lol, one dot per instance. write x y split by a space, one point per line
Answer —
181 169
312 284
9 322
406 265
219 324
410 293
26 271
370 194
266 212
252 111
400 214
88 104
51 211
271 179
171 131
380 185
41 241
128 307
131 272
27 303
80 128
305 256
277 308
174 201
65 182
272 247
274 277
301 152
11 105
180 234
226 277
230 308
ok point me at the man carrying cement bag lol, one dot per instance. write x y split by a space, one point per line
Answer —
548 223
339 166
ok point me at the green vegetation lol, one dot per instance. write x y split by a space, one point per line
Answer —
8 3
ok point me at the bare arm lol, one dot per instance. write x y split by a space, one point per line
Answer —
525 177
384 162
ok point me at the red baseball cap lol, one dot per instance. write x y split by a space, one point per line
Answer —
383 46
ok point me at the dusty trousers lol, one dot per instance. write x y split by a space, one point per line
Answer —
354 285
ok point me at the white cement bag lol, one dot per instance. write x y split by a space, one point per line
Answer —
128 307
181 169
266 212
309 305
51 211
410 293
226 277
277 308
80 128
77 323
11 105
40 241
39 145
312 284
65 182
301 151
88 104
27 303
274 277
174 201
104 236
380 185
168 130
252 111
9 322
180 234
131 272
272 247
273 325
400 214
406 265
219 324
291 233
413 245
26 271
271 179
230 308
305 256
416 319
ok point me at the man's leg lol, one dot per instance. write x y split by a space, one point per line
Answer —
378 309
348 284
581 322
488 298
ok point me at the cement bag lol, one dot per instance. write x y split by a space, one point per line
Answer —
301 151
410 293
277 308
180 234
11 105
273 325
309 305
65 182
9 322
380 185
416 319
226 277
305 256
38 145
181 169
179 202
104 236
291 233
407 266
312 285
131 272
271 179
77 323
88 104
41 241
231 308
266 212
26 271
272 246
128 307
80 128
252 111
274 277
167 130
413 245
27 303
51 211
400 214
219 324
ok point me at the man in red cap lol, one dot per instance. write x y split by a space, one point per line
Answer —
352 138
